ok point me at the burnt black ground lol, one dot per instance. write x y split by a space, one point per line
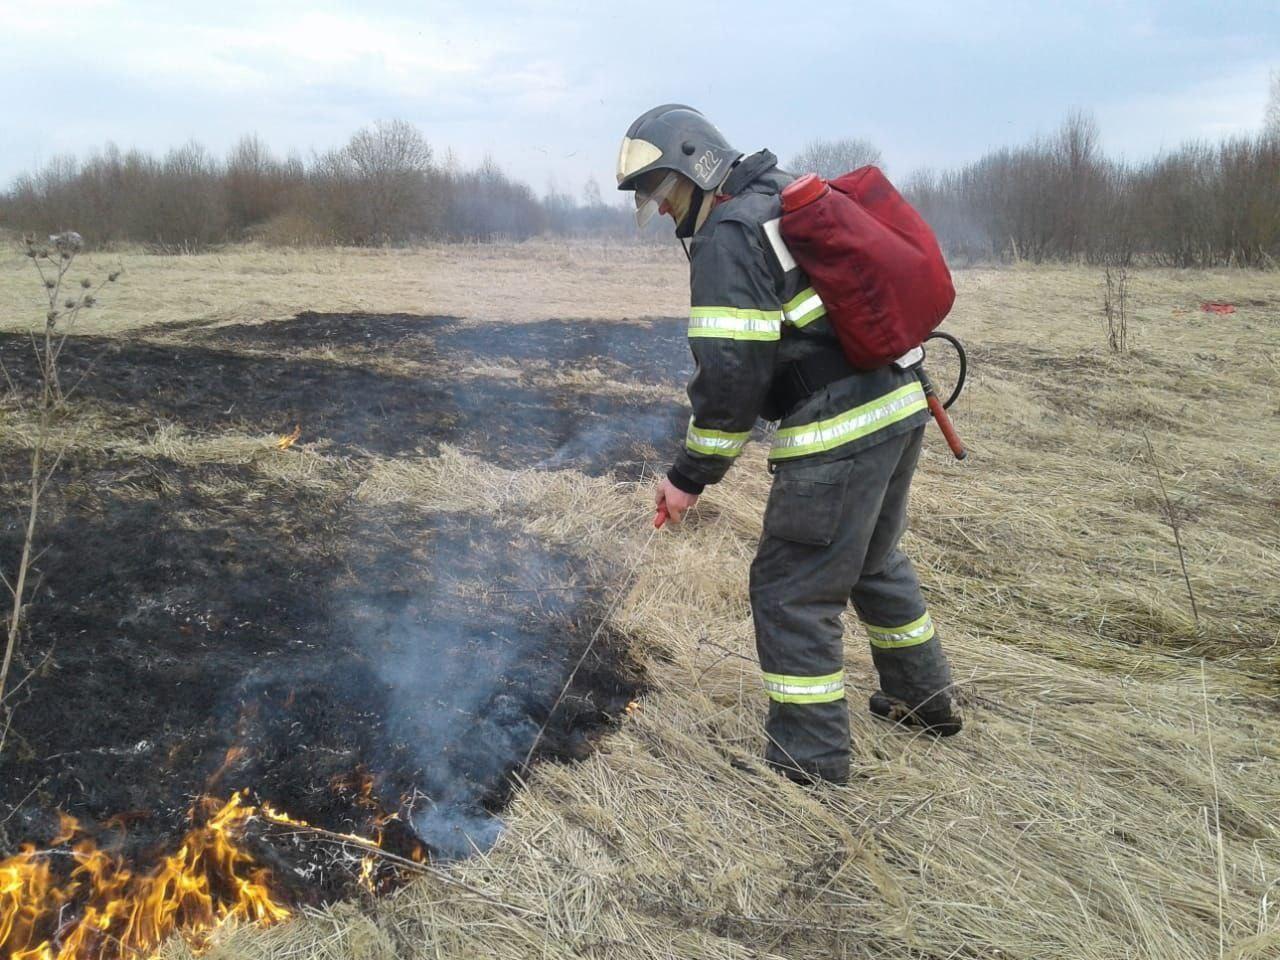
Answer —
649 350
355 408
195 613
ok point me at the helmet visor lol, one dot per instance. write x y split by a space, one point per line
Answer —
652 200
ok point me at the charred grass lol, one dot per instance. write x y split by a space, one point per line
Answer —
215 613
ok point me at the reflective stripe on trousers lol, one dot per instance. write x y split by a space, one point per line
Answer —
788 689
911 634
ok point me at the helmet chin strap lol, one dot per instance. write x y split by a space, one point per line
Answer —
689 222
700 207
704 201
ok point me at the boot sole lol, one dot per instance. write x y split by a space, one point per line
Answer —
882 709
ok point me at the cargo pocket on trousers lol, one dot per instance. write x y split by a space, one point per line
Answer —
806 502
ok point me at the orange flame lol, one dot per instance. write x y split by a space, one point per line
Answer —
289 439
368 866
104 910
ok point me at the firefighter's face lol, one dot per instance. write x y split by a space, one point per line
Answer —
680 200
673 197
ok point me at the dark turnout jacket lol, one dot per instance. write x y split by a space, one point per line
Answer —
755 321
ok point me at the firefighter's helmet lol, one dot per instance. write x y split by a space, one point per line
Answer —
672 157
676 138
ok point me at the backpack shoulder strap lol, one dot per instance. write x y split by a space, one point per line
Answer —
773 231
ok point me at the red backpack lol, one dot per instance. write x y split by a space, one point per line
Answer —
873 260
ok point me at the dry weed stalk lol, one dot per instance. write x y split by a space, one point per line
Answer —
1115 307
53 262
1173 523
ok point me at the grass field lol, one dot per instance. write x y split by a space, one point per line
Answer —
1116 791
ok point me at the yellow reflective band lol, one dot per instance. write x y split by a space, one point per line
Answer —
850 425
717 443
804 308
785 689
908 635
732 323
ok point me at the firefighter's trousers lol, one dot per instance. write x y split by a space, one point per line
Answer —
831 534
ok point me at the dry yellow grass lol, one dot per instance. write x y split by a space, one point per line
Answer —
534 281
1114 795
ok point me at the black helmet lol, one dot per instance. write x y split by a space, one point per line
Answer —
679 138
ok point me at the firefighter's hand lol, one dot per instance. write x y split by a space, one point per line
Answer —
676 501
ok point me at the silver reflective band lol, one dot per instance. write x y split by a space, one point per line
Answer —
789 689
849 426
718 443
731 323
910 634
734 324
804 308
795 689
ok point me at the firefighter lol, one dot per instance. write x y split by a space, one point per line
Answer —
842 457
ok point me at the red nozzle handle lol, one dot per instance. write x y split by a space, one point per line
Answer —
661 517
948 428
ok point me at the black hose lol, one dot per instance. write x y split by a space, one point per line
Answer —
964 364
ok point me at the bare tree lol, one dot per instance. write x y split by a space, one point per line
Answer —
389 162
1271 119
256 186
831 158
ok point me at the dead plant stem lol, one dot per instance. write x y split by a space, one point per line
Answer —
51 399
24 563
1219 858
1173 523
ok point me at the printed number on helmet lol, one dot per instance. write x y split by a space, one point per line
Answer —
706 166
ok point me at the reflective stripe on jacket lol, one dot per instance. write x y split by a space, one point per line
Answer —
753 314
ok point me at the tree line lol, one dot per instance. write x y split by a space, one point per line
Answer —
1059 198
383 186
1055 198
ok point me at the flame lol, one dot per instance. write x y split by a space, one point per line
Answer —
289 439
367 876
101 909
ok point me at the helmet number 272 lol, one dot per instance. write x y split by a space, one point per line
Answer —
707 165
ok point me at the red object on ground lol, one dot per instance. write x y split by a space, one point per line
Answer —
1215 307
873 260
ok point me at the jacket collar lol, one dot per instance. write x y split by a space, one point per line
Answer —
747 171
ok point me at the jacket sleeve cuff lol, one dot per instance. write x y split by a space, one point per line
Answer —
682 482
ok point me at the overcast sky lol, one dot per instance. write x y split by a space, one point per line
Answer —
549 87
